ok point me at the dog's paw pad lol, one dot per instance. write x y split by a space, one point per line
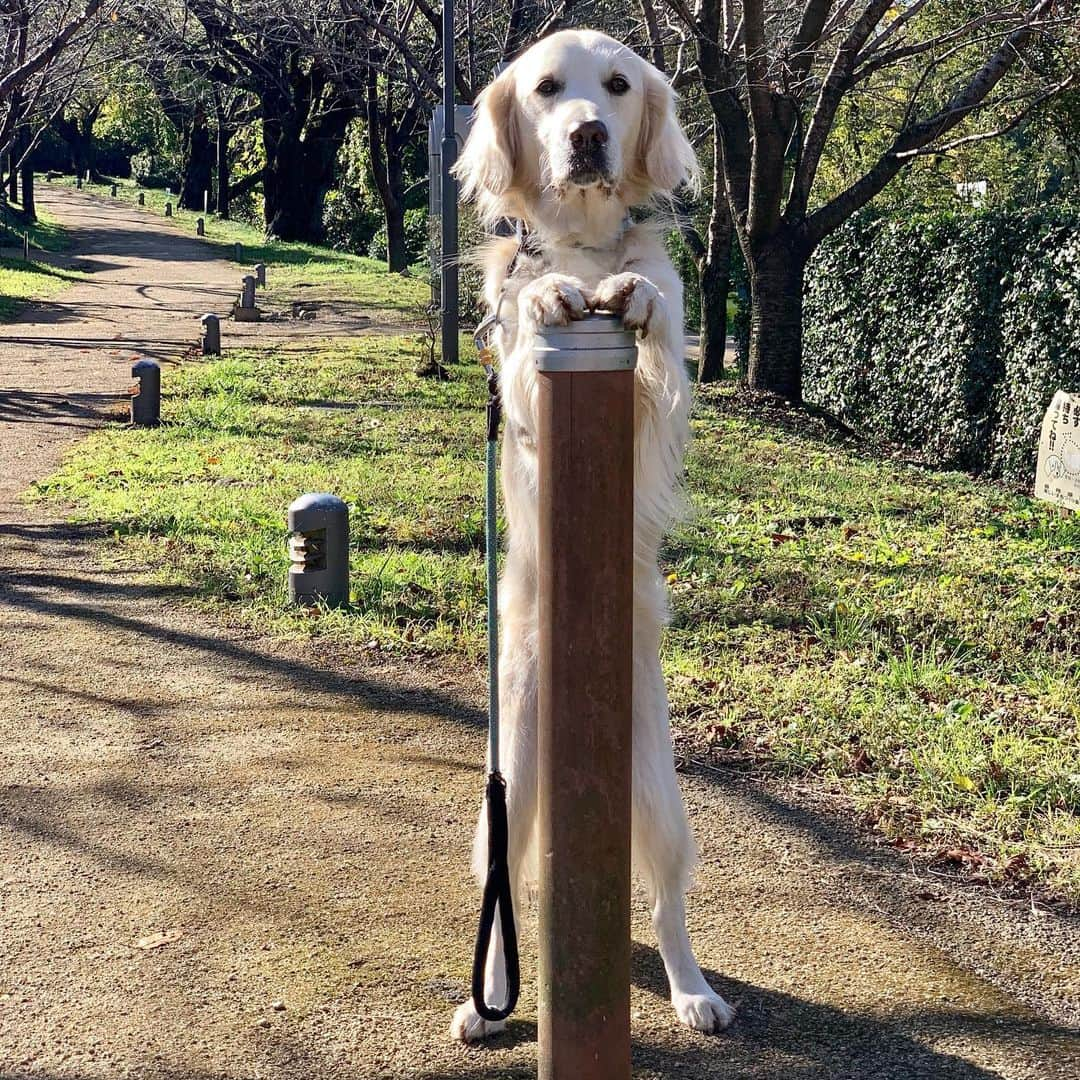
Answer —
707 1012
468 1026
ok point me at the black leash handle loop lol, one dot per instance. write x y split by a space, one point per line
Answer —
496 895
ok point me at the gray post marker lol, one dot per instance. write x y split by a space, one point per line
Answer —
112 191
211 339
205 201
238 252
449 278
146 394
319 550
200 227
142 198
245 309
168 209
78 183
260 275
26 247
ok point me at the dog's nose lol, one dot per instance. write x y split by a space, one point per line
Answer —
589 135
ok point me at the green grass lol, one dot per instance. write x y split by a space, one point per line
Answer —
905 639
294 271
34 280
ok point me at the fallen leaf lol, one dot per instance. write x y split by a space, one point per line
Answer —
158 941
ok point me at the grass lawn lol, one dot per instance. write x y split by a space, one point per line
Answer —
21 281
292 269
906 641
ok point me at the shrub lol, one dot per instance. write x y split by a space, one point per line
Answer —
948 333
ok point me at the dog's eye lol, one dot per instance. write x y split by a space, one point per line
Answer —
617 85
548 88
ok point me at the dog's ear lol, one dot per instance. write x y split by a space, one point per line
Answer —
665 157
489 160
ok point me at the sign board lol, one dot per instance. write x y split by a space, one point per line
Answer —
463 115
1057 476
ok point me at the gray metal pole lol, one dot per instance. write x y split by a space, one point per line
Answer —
449 274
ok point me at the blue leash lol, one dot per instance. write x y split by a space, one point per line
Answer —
497 897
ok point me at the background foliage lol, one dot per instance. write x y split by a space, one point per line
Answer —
948 332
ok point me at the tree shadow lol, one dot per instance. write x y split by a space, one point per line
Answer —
21 593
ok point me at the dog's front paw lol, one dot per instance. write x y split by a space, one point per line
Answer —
707 1012
468 1026
553 300
633 297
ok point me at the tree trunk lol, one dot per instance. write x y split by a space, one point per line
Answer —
222 200
299 171
292 193
714 273
198 161
776 294
27 176
397 252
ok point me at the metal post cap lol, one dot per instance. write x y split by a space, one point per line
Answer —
315 504
141 367
598 342
318 500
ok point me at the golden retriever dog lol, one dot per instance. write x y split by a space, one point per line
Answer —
566 140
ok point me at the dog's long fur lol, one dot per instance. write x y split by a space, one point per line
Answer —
519 163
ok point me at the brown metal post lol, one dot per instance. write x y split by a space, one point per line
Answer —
586 571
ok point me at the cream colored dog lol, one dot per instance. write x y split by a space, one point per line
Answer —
569 137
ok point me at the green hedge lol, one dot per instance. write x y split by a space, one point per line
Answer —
948 333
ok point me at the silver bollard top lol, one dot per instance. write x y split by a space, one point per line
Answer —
599 342
318 500
141 366
312 510
209 317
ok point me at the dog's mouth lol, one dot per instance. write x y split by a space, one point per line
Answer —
589 167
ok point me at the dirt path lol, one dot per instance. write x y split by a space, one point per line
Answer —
222 857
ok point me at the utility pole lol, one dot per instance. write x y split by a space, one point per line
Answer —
449 270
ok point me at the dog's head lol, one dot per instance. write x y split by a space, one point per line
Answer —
577 112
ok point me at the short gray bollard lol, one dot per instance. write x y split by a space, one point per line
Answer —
211 335
238 252
168 209
260 275
142 198
78 183
200 227
146 393
319 550
112 191
26 247
205 201
245 309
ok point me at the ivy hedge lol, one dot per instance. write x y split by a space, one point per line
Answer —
947 333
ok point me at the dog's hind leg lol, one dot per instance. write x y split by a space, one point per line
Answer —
517 697
664 851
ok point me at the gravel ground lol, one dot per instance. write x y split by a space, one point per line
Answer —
227 857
